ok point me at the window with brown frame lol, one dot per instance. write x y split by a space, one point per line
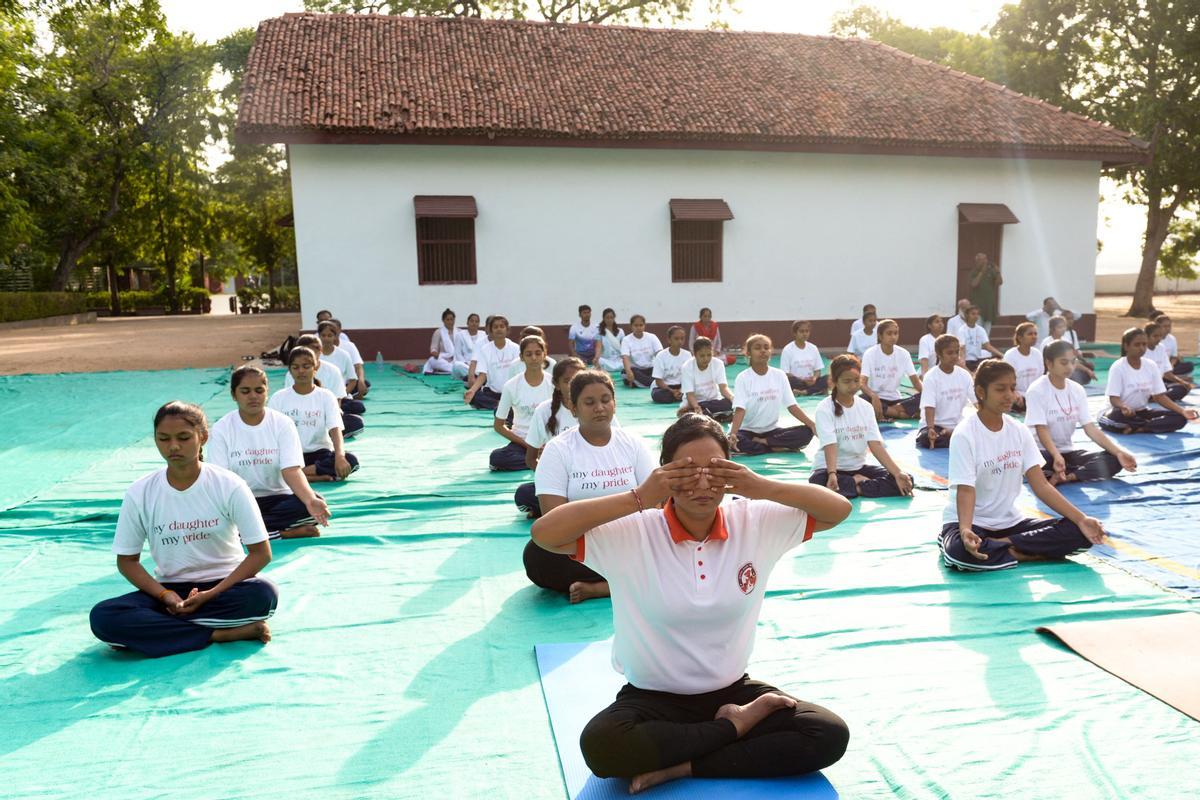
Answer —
445 239
697 236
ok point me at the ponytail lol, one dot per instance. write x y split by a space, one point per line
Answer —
556 399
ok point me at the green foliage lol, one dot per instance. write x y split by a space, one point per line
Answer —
287 298
251 297
190 298
974 53
627 12
1134 64
1178 258
16 306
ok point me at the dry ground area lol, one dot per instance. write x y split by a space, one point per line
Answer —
1184 310
132 343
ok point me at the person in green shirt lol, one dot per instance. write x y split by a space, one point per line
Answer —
985 288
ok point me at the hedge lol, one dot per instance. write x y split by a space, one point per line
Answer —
16 306
191 298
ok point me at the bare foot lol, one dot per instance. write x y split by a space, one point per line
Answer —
859 479
1019 556
1053 479
584 590
321 478
648 779
746 717
255 630
301 532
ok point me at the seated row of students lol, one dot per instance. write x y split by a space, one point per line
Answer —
1178 365
329 376
356 379
1135 381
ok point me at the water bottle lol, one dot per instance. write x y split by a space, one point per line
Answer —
378 361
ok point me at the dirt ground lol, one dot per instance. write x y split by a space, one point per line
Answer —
1184 310
133 343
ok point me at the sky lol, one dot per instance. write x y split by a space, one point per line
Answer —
1121 224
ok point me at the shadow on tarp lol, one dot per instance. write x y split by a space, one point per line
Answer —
37 705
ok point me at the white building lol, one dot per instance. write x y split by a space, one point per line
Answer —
525 168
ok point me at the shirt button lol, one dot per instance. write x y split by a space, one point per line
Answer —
700 563
701 577
698 549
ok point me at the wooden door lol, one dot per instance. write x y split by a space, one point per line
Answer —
975 238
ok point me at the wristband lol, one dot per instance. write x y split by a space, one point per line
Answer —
638 498
163 594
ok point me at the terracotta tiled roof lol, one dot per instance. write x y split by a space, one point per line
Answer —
332 78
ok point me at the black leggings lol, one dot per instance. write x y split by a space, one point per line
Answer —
1148 420
641 378
819 386
485 399
1085 466
778 440
661 395
879 482
555 571
943 437
644 731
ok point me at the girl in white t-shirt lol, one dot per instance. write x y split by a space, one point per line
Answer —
1178 365
1083 374
363 386
1026 360
801 361
330 378
1055 405
608 343
1156 351
847 429
327 332
974 338
550 418
196 517
688 582
466 341
441 347
1133 382
521 396
948 390
982 529
883 367
935 326
637 354
758 394
594 459
667 368
490 366
865 337
315 414
705 387
261 446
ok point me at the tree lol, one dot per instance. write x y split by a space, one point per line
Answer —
1134 64
111 86
253 189
1178 257
643 12
17 223
973 53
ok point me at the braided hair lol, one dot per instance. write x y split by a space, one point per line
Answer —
556 400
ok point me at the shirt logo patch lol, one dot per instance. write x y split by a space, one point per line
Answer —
747 577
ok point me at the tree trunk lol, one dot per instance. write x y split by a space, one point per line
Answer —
73 248
271 285
114 291
1158 221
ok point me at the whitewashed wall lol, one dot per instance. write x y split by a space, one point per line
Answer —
813 235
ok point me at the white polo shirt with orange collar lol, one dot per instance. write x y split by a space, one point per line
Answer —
684 612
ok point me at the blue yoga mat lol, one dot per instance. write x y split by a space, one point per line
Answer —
578 682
